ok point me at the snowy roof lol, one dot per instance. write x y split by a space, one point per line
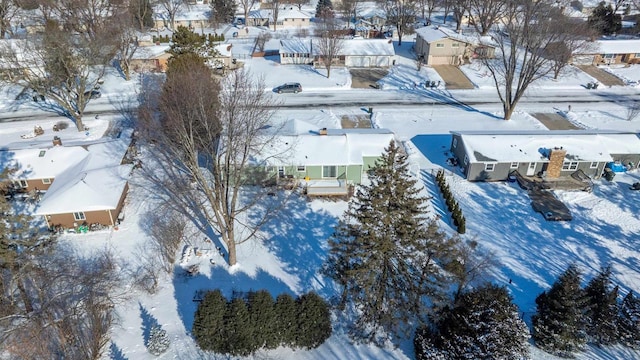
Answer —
435 33
372 11
224 49
44 163
150 52
618 46
533 146
184 13
338 147
89 190
378 47
286 13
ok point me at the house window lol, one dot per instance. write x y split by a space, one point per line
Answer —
302 168
79 216
281 171
329 171
609 56
46 181
514 165
455 142
439 45
569 165
593 165
20 184
489 166
455 45
466 160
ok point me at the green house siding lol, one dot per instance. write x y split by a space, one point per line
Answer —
369 162
354 174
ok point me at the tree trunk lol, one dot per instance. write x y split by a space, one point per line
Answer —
28 306
77 118
328 71
231 245
125 69
399 38
508 111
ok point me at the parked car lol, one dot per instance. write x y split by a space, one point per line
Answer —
93 94
288 88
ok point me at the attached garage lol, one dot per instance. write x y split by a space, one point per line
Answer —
367 53
358 61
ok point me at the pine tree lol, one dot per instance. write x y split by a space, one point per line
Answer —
158 341
314 321
424 347
602 309
208 322
559 323
322 6
238 329
604 19
285 326
263 318
222 11
483 324
629 321
385 250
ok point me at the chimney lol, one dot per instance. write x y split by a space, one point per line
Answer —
556 159
57 141
323 131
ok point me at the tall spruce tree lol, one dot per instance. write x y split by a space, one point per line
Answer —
559 323
286 313
483 324
314 321
208 322
263 317
604 19
323 7
239 329
385 251
629 321
602 310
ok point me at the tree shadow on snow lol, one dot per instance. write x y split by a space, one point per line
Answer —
115 353
148 322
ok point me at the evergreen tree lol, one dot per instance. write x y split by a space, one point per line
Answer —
208 322
483 324
322 6
385 251
602 309
629 321
314 321
185 42
222 11
158 341
559 323
604 19
285 325
238 329
263 318
424 347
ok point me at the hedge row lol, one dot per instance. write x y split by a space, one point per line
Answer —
243 325
452 205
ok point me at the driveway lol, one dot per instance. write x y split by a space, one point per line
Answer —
602 76
453 77
366 78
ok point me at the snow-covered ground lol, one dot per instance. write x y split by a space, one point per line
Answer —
531 252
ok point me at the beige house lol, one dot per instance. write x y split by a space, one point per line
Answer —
606 52
357 53
288 18
195 17
441 46
152 58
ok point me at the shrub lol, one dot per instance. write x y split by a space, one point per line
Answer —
158 341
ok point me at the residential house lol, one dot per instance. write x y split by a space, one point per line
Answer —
325 161
195 17
37 168
373 15
354 52
92 191
491 156
612 51
437 45
152 58
289 17
224 57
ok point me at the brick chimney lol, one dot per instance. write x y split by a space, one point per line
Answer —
57 141
556 159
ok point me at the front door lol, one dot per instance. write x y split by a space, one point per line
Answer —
531 170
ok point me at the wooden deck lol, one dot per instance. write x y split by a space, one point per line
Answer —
327 188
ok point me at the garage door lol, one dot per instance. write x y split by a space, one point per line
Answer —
439 60
358 61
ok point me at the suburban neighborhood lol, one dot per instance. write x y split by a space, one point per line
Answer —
346 179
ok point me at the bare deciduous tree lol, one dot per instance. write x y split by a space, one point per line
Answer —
67 61
329 44
528 27
246 6
485 13
460 8
275 12
127 43
426 8
401 14
171 8
572 38
349 9
8 10
469 266
206 138
166 235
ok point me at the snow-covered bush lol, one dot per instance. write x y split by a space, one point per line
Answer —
158 341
